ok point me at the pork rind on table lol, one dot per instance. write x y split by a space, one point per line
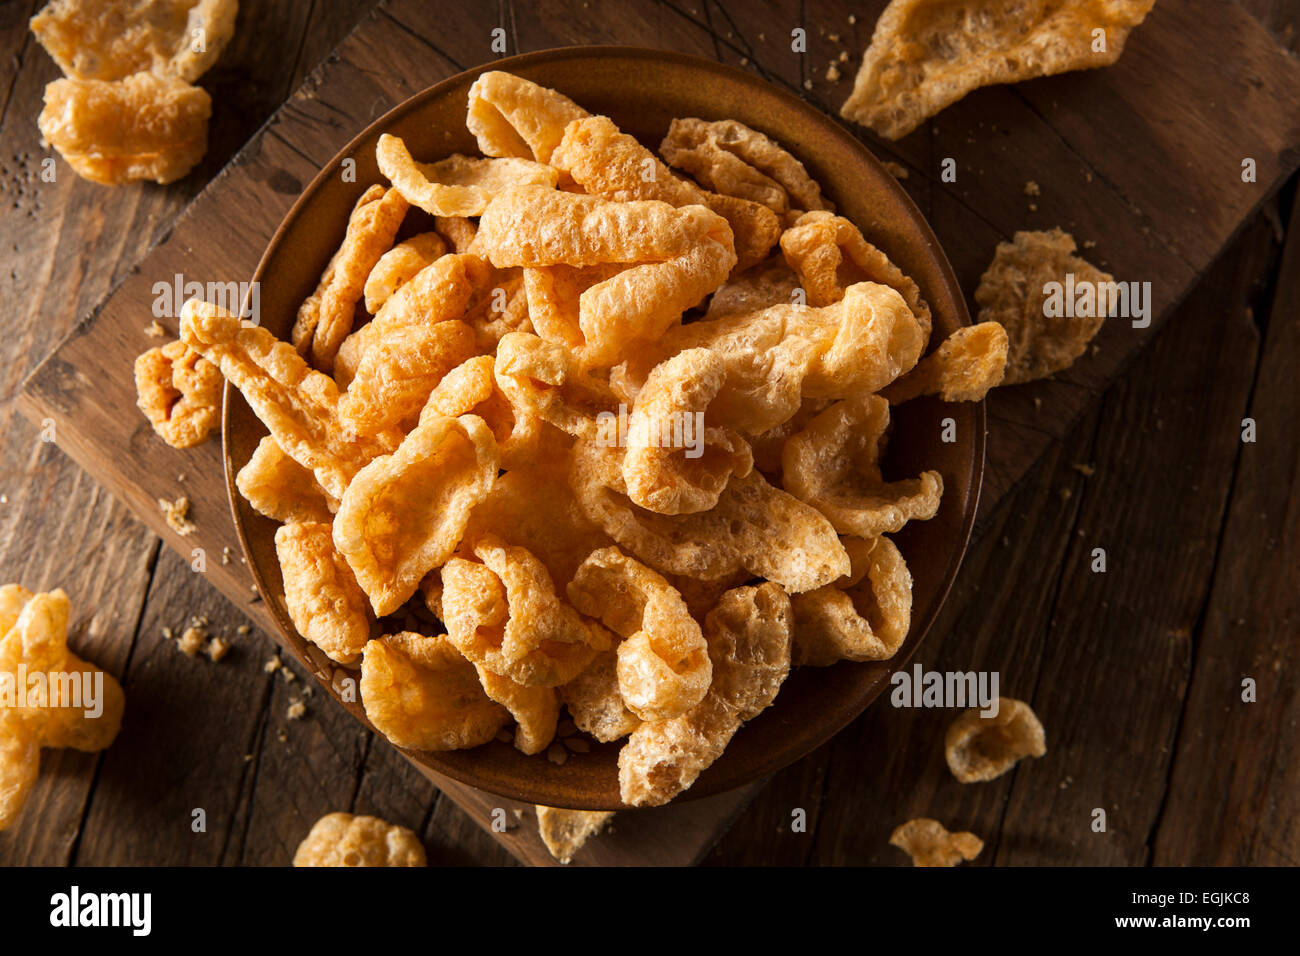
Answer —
180 394
1012 292
929 843
341 839
111 39
574 405
980 748
34 640
126 110
927 54
565 832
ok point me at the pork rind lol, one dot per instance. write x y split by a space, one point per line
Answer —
396 375
511 116
834 465
595 702
499 308
324 601
297 404
613 165
504 615
767 284
535 709
929 843
674 463
663 662
35 635
421 694
730 158
1011 292
554 299
399 265
544 381
748 636
457 231
962 369
111 39
776 358
980 748
341 839
180 393
280 488
143 127
736 534
326 316
830 254
926 55
458 185
403 513
535 509
863 617
439 292
472 387
566 831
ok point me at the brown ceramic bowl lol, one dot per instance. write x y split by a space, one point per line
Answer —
643 90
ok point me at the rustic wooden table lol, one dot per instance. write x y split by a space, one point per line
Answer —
1136 673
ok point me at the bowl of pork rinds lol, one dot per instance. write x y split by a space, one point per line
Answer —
612 430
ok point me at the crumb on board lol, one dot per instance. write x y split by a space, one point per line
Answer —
192 640
218 648
272 665
832 73
177 514
1084 469
897 170
156 330
297 710
1031 189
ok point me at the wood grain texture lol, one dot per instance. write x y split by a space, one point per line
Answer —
66 244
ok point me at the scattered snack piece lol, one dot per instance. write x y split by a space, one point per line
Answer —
1031 188
929 843
111 39
1013 293
1084 469
297 710
35 641
192 640
980 748
341 839
897 170
565 831
155 330
179 392
218 648
962 369
177 514
927 54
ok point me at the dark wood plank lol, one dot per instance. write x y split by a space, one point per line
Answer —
1233 791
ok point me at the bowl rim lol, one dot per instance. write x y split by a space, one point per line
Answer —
430 763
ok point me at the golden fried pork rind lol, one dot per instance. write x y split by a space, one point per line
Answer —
748 635
458 185
536 710
554 299
421 694
776 358
830 254
674 463
927 54
396 375
1011 293
863 617
298 405
736 534
663 662
595 702
341 839
962 369
980 748
544 381
834 465
142 127
404 513
280 488
730 158
565 831
929 843
767 284
399 265
325 318
511 116
111 39
614 166
180 394
504 614
324 601
35 637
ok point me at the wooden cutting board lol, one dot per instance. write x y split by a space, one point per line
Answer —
1144 159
